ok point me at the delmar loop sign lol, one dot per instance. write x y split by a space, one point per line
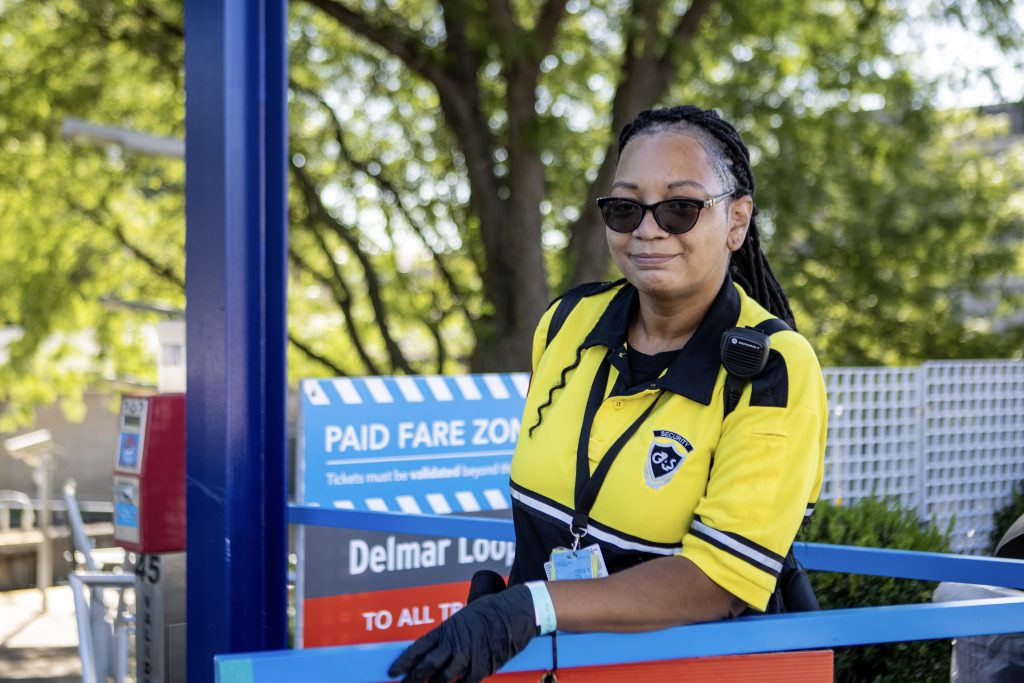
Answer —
423 444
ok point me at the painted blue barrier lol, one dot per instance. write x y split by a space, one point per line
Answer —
907 564
900 564
776 633
398 522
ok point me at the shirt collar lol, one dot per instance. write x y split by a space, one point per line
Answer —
695 370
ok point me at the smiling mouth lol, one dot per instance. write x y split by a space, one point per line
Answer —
651 259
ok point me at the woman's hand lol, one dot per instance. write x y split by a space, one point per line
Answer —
474 642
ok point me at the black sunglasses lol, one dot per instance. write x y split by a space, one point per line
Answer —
674 216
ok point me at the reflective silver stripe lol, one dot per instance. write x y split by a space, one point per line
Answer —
742 549
598 534
611 539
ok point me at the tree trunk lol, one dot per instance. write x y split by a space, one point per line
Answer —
646 75
518 290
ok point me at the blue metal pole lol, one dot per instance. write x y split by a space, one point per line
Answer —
907 564
902 564
236 148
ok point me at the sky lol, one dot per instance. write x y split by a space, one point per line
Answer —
949 52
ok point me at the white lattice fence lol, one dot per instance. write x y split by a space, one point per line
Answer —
946 439
873 433
972 448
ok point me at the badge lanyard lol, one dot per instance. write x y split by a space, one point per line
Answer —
587 485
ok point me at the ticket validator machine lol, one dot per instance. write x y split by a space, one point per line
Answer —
149 520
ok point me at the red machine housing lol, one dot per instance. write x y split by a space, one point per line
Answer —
149 474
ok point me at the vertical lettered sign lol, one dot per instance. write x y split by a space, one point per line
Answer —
424 444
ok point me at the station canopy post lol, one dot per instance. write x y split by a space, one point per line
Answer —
236 250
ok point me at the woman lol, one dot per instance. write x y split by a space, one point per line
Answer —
633 468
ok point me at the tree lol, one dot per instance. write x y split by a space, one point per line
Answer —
446 158
523 114
82 228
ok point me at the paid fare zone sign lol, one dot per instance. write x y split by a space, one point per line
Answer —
418 445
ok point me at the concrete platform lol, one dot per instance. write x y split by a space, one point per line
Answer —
36 646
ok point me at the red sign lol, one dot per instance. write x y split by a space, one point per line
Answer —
380 616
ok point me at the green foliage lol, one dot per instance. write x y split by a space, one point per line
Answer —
914 255
77 221
883 225
1005 516
417 125
882 524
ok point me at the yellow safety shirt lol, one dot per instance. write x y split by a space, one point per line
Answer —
728 494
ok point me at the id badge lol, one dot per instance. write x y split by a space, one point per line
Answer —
570 565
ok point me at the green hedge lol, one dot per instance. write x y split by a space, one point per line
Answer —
880 524
1004 517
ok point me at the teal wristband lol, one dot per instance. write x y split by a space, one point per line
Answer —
543 608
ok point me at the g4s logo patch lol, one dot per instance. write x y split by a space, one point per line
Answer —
667 452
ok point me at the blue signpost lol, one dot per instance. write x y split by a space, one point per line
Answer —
236 237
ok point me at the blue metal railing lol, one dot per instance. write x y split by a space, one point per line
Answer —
901 564
774 633
833 628
427 525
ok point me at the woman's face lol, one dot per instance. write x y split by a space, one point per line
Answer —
661 265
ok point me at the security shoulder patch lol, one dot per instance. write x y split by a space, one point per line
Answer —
667 452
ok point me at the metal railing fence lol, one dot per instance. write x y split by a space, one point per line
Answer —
770 633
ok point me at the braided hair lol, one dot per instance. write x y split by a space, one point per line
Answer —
730 159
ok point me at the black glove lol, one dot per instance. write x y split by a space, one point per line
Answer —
474 642
485 582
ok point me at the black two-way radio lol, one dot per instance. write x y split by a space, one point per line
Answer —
744 352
